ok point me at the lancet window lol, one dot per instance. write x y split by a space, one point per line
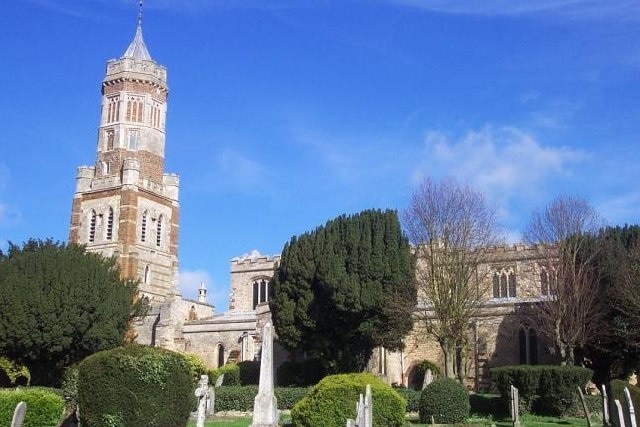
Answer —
143 227
92 226
260 292
110 224
113 109
135 106
159 226
504 284
528 343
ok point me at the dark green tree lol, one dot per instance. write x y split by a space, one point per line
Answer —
344 289
59 305
615 353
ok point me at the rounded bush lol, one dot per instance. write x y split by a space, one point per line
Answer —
446 400
333 400
44 407
196 366
134 386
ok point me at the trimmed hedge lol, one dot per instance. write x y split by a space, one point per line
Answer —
44 407
545 390
411 396
241 398
445 400
134 386
617 392
231 373
333 400
249 371
13 374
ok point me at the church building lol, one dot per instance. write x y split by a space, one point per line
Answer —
126 206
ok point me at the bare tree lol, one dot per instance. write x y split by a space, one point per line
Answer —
451 227
565 234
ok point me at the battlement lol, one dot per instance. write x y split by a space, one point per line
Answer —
136 69
254 261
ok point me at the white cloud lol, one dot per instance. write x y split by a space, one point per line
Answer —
578 9
506 164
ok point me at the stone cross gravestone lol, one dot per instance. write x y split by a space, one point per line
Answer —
428 378
18 414
204 400
265 406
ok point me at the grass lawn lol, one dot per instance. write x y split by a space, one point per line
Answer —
525 421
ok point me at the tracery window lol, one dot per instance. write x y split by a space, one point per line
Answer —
260 292
155 115
110 224
504 284
528 344
113 109
92 226
135 107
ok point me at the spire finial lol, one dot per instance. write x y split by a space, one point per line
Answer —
140 13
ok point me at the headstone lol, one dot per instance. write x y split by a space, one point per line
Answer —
364 411
515 406
204 400
605 407
18 414
220 380
428 378
619 413
632 411
585 408
265 406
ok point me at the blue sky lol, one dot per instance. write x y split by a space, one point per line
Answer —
284 114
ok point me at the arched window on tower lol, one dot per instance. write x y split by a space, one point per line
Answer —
504 283
110 224
496 285
147 275
113 109
260 292
220 355
143 227
134 109
93 219
159 230
528 344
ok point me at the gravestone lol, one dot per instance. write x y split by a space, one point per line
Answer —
220 380
619 413
18 414
204 400
364 411
632 411
585 408
515 407
428 378
605 407
265 406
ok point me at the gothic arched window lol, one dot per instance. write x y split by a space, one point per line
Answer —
512 284
496 285
260 292
528 343
147 275
504 284
220 355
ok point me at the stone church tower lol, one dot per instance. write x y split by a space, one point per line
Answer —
126 206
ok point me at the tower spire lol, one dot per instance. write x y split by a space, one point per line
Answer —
137 49
140 14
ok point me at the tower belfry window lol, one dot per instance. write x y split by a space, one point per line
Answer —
92 226
113 109
143 228
134 109
110 224
159 231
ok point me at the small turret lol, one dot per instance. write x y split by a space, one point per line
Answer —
202 293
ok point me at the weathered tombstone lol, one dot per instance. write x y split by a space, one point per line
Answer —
18 414
364 411
605 407
220 380
619 413
632 411
428 378
584 407
265 406
515 407
204 400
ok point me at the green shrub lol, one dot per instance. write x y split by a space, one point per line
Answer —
446 400
241 398
617 392
13 374
544 390
249 371
44 407
134 386
411 396
485 405
231 375
196 366
333 400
